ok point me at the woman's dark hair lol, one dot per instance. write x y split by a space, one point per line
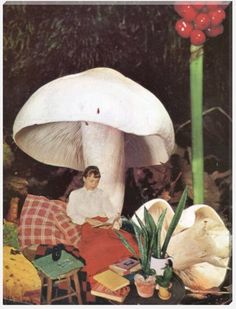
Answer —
92 170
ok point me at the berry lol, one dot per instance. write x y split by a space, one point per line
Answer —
183 28
186 11
197 37
214 31
216 17
202 21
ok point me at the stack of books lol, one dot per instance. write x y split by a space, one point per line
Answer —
126 266
111 286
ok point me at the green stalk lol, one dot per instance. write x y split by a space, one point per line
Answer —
196 89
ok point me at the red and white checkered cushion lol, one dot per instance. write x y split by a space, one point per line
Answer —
44 221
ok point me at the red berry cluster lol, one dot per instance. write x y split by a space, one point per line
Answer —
200 20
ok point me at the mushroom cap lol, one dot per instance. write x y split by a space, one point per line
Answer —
48 125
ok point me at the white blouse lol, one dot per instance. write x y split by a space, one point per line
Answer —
85 203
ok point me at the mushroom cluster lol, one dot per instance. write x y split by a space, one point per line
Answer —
97 117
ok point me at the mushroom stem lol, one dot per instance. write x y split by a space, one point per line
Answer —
103 146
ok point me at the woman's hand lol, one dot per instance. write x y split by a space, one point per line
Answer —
116 224
98 223
93 222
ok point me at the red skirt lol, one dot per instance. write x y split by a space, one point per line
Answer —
102 247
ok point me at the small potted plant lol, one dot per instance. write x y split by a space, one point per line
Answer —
163 282
148 236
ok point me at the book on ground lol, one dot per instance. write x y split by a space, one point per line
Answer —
119 295
126 266
111 280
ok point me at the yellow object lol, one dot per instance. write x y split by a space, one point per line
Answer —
111 280
21 282
164 293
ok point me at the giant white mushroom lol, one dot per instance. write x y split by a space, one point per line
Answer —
200 246
97 117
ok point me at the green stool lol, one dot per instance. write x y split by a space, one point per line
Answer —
64 270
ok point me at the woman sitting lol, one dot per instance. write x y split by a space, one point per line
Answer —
90 201
91 209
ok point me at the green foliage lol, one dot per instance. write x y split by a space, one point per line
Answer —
145 239
165 279
125 242
148 235
10 236
157 243
174 221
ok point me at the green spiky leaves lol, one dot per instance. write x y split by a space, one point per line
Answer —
174 221
148 235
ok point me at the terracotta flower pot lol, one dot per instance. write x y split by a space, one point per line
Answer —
164 293
145 287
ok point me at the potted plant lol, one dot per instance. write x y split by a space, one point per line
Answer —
148 236
164 281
